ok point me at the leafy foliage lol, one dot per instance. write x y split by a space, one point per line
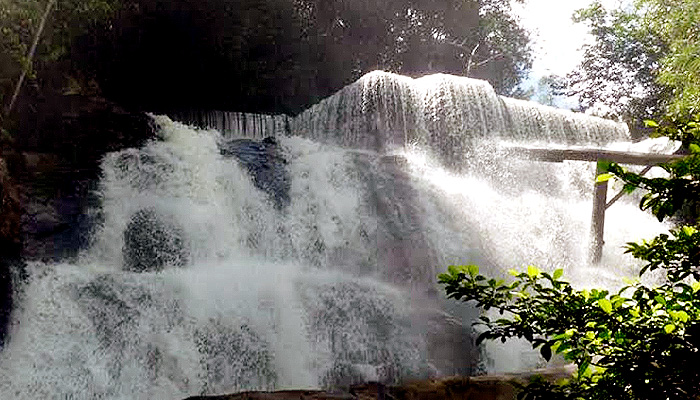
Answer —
679 193
283 56
640 342
260 55
20 23
618 74
643 63
676 23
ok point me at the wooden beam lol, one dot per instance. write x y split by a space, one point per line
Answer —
592 154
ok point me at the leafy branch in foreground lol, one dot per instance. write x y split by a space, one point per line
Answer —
641 342
637 343
679 193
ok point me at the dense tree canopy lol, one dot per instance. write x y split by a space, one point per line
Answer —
644 60
261 55
20 27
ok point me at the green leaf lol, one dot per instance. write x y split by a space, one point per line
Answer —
695 286
605 305
533 271
694 148
629 188
583 368
651 123
473 270
513 272
669 328
558 273
603 177
689 230
453 270
603 165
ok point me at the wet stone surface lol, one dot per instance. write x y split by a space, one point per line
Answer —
265 164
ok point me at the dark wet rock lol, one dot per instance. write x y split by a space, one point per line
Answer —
453 388
79 128
265 164
54 156
10 215
56 200
153 241
10 211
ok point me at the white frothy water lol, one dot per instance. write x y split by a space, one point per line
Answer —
339 285
441 113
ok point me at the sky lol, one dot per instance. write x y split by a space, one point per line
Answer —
557 40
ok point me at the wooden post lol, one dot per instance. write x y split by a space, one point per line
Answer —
600 196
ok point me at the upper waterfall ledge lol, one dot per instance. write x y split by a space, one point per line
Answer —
444 113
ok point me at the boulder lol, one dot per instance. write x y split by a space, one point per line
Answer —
153 241
57 200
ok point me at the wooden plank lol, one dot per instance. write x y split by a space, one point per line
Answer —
592 154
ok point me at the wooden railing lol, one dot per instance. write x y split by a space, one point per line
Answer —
600 203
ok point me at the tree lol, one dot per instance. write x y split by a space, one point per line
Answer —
283 56
676 23
547 89
618 74
34 31
638 343
643 62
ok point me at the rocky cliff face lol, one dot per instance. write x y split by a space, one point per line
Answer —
488 387
55 162
48 171
10 214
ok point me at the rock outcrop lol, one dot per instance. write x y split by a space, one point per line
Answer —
49 166
10 214
487 387
55 160
456 388
265 164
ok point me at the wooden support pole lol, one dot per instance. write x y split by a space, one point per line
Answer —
600 195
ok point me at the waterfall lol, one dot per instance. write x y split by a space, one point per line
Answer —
236 124
199 280
444 114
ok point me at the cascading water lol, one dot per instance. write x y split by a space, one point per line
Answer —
206 275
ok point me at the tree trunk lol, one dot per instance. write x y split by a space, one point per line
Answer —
30 56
